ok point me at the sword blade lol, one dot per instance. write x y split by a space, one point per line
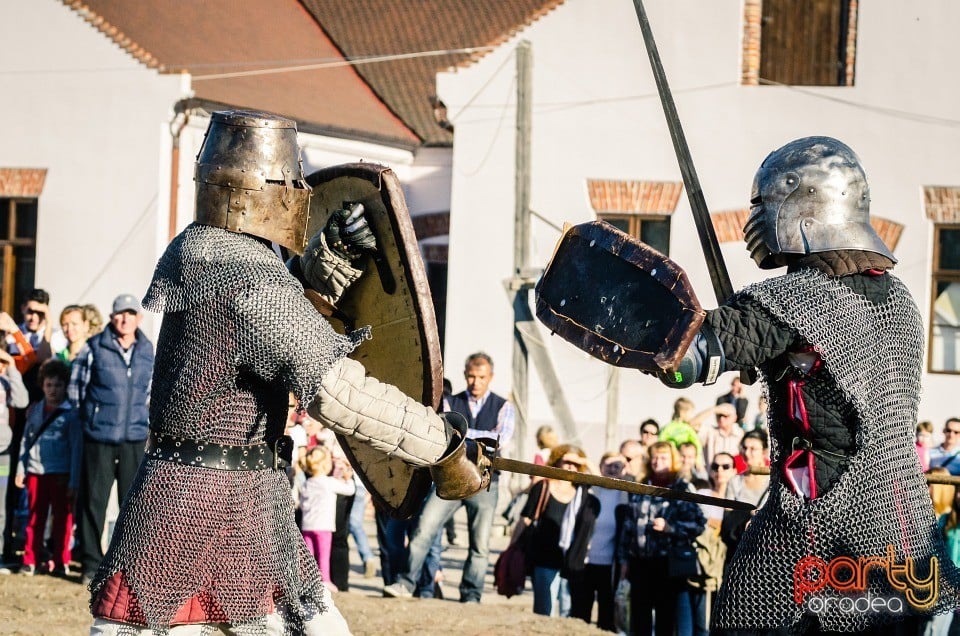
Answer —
526 468
719 276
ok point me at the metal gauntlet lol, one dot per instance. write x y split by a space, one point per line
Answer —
465 468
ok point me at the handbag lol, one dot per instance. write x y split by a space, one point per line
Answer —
682 561
711 553
512 567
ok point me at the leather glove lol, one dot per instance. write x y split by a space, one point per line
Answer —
348 233
465 468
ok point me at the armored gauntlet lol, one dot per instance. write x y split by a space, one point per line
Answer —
323 270
465 468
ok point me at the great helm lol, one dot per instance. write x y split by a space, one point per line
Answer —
810 196
250 178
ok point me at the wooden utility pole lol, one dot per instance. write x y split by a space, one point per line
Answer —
521 234
527 338
611 432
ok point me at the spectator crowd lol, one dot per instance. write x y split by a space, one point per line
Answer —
74 421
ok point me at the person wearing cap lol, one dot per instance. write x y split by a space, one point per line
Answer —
110 384
724 437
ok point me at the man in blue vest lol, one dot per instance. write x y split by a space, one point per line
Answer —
110 383
488 415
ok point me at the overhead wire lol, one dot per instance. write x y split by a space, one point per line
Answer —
346 61
120 245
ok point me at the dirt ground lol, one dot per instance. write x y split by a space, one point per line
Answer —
49 605
46 605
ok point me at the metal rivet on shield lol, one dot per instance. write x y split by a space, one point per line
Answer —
563 302
592 243
653 272
811 190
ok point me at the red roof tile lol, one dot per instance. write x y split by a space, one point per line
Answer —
387 100
390 27
221 36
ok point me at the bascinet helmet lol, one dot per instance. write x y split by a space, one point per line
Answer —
810 196
250 179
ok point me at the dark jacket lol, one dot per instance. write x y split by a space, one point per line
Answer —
115 405
637 539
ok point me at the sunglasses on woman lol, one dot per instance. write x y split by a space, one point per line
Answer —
721 466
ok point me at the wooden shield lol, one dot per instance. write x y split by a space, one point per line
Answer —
393 297
618 299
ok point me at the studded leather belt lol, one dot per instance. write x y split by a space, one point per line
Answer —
275 455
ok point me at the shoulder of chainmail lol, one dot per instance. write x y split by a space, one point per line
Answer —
843 325
873 351
203 262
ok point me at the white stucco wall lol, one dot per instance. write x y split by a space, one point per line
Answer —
596 115
99 122
78 106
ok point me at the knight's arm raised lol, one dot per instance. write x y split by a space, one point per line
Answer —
741 334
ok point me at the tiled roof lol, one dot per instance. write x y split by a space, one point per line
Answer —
390 27
223 36
387 101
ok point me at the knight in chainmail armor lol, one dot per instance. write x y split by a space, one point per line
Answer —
206 535
838 343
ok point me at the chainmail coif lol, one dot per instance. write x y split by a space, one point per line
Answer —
237 336
874 352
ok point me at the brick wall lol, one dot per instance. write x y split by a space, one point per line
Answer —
634 197
942 203
22 182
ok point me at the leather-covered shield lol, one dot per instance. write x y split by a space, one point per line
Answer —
618 299
393 297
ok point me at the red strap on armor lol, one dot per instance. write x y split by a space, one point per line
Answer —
800 467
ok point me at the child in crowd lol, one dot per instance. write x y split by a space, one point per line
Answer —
49 468
318 502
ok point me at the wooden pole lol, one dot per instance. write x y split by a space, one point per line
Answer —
521 235
611 433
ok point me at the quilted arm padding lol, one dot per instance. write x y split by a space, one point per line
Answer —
352 403
750 335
